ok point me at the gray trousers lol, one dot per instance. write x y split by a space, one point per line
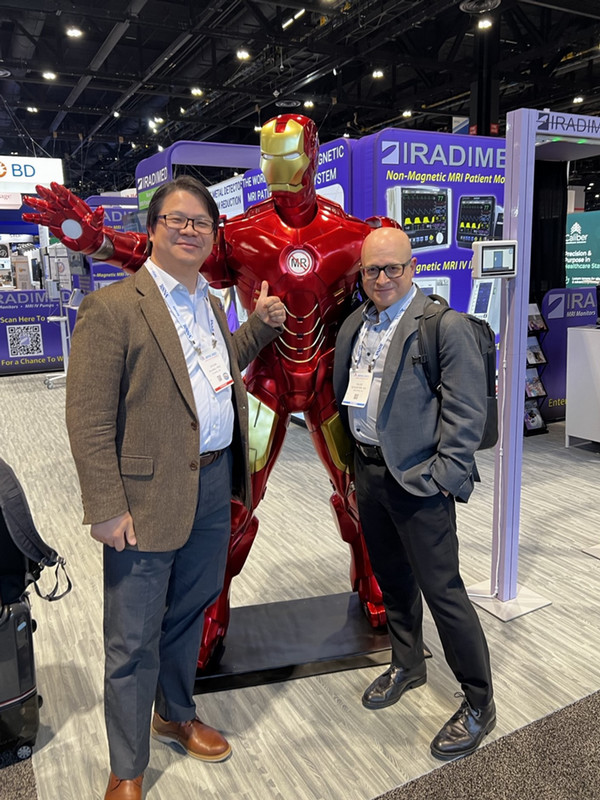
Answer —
153 616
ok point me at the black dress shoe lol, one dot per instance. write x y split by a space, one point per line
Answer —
388 688
464 732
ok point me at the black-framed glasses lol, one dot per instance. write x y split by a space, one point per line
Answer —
177 222
391 270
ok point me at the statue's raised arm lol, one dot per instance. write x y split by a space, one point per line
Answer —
79 228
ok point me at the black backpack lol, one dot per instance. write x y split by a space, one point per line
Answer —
429 348
23 552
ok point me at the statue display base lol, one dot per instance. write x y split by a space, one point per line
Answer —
294 639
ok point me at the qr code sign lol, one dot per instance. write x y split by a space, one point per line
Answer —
24 340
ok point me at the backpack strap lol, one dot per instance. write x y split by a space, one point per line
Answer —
52 594
429 341
24 536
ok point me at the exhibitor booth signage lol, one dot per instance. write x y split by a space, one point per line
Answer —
152 172
582 249
28 341
445 190
562 309
23 174
229 196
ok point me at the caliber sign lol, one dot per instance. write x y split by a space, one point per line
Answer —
23 174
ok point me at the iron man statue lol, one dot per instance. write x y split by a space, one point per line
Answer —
308 249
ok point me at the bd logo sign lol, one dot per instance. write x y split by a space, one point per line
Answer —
17 170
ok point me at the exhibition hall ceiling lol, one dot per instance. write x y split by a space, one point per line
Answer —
103 85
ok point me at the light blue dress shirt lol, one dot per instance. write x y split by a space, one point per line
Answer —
214 409
363 421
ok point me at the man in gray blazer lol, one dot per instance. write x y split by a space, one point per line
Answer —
413 455
157 420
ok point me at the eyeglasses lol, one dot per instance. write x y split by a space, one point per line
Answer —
177 222
391 270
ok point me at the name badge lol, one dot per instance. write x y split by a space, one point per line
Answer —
216 371
359 387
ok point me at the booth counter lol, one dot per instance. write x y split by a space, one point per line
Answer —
583 385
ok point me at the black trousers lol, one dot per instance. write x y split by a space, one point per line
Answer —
413 548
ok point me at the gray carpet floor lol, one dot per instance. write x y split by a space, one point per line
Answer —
554 758
17 781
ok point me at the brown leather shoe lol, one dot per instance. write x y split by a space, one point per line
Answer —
197 739
118 789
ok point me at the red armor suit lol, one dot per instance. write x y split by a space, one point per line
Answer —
308 249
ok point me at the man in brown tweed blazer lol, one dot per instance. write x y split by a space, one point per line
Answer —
157 420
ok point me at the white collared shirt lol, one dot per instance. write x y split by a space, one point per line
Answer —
214 410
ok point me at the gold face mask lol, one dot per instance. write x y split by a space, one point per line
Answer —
283 160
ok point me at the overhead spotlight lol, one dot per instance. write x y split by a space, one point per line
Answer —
116 114
160 148
484 23
346 135
287 23
196 91
378 73
49 76
298 14
257 128
407 113
32 109
158 120
334 70
74 33
133 145
243 54
309 104
152 124
578 99
182 110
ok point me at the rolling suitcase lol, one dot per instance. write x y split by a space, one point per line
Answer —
19 700
23 556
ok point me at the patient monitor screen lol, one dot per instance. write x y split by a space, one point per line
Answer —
476 219
423 212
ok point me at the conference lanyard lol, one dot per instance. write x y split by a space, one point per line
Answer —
360 380
212 364
382 342
179 319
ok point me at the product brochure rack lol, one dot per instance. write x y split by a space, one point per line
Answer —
535 362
